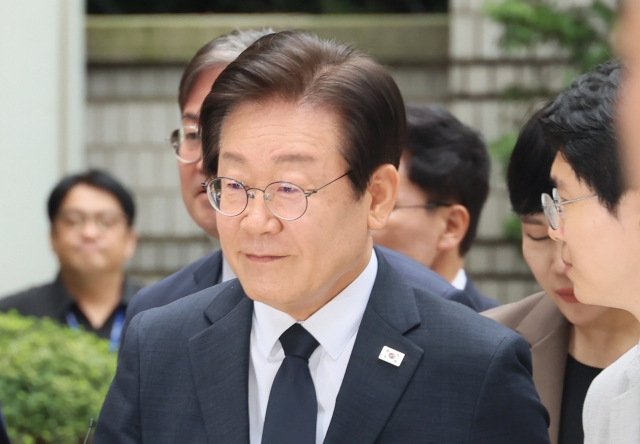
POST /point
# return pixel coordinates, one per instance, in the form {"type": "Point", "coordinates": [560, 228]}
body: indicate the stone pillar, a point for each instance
{"type": "Point", "coordinates": [41, 109]}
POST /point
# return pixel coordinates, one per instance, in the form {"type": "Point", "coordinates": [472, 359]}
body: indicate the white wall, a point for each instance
{"type": "Point", "coordinates": [41, 129]}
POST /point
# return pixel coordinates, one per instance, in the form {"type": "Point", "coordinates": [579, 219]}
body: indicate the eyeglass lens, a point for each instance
{"type": "Point", "coordinates": [185, 142]}
{"type": "Point", "coordinates": [285, 200]}
{"type": "Point", "coordinates": [550, 211]}
{"type": "Point", "coordinates": [103, 221]}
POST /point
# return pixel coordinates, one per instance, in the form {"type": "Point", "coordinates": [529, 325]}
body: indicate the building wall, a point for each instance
{"type": "Point", "coordinates": [42, 91]}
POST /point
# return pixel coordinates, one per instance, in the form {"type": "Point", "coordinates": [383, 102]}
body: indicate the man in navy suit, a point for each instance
{"type": "Point", "coordinates": [444, 183]}
{"type": "Point", "coordinates": [319, 339]}
{"type": "Point", "coordinates": [212, 269]}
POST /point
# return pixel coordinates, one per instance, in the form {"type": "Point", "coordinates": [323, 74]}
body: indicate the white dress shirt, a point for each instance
{"type": "Point", "coordinates": [460, 281]}
{"type": "Point", "coordinates": [227, 272]}
{"type": "Point", "coordinates": [335, 327]}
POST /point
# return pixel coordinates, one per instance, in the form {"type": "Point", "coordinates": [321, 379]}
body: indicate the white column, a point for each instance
{"type": "Point", "coordinates": [42, 71]}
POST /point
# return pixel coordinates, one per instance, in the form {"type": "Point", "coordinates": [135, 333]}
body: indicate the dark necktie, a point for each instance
{"type": "Point", "coordinates": [292, 411]}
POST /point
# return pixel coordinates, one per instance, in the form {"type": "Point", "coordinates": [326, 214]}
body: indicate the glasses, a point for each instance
{"type": "Point", "coordinates": [286, 200]}
{"type": "Point", "coordinates": [186, 144]}
{"type": "Point", "coordinates": [76, 220]}
{"type": "Point", "coordinates": [429, 206]}
{"type": "Point", "coordinates": [553, 207]}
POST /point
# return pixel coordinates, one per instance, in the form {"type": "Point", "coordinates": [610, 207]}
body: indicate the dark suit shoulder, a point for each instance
{"type": "Point", "coordinates": [177, 285]}
{"type": "Point", "coordinates": [452, 323]}
{"type": "Point", "coordinates": [480, 301]}
{"type": "Point", "coordinates": [35, 301]}
{"type": "Point", "coordinates": [414, 273]}
{"type": "Point", "coordinates": [512, 315]}
{"type": "Point", "coordinates": [184, 317]}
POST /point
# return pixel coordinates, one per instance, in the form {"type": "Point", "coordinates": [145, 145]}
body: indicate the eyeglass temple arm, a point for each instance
{"type": "Point", "coordinates": [574, 200]}
{"type": "Point", "coordinates": [309, 193]}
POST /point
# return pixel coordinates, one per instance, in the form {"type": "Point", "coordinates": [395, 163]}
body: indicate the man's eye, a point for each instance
{"type": "Point", "coordinates": [191, 136]}
{"type": "Point", "coordinates": [234, 186]}
{"type": "Point", "coordinates": [287, 189]}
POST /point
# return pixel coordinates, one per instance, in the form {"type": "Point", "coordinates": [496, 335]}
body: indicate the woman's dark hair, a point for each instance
{"type": "Point", "coordinates": [529, 171]}
{"type": "Point", "coordinates": [580, 123]}
{"type": "Point", "coordinates": [303, 69]}
{"type": "Point", "coordinates": [97, 179]}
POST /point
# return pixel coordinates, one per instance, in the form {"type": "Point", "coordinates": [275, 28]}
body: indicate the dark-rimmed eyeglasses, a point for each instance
{"type": "Point", "coordinates": [553, 208]}
{"type": "Point", "coordinates": [286, 201]}
{"type": "Point", "coordinates": [104, 221]}
{"type": "Point", "coordinates": [186, 143]}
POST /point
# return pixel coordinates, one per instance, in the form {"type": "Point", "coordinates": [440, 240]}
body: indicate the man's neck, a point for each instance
{"type": "Point", "coordinates": [96, 295]}
{"type": "Point", "coordinates": [603, 341]}
{"type": "Point", "coordinates": [447, 264]}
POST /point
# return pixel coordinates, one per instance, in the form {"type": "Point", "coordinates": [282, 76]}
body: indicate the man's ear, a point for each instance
{"type": "Point", "coordinates": [383, 189]}
{"type": "Point", "coordinates": [456, 219]}
{"type": "Point", "coordinates": [132, 243]}
{"type": "Point", "coordinates": [53, 239]}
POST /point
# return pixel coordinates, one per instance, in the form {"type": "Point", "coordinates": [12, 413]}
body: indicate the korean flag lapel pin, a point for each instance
{"type": "Point", "coordinates": [391, 356]}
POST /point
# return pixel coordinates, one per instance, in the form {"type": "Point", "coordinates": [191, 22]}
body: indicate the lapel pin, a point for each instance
{"type": "Point", "coordinates": [391, 356]}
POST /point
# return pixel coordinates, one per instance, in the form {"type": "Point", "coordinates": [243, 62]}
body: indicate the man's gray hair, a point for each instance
{"type": "Point", "coordinates": [219, 52]}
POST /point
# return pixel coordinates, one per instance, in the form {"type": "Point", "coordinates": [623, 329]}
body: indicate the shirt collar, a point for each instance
{"type": "Point", "coordinates": [332, 326]}
{"type": "Point", "coordinates": [64, 300]}
{"type": "Point", "coordinates": [227, 272]}
{"type": "Point", "coordinates": [460, 281]}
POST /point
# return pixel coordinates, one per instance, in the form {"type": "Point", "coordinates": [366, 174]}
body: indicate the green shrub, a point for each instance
{"type": "Point", "coordinates": [52, 379]}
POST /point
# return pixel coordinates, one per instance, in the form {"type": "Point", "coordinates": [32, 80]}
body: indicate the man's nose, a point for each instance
{"type": "Point", "coordinates": [90, 228]}
{"type": "Point", "coordinates": [258, 219]}
{"type": "Point", "coordinates": [558, 263]}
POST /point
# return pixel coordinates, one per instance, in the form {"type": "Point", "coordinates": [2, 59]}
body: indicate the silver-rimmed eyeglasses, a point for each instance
{"type": "Point", "coordinates": [186, 144]}
{"type": "Point", "coordinates": [285, 200]}
{"type": "Point", "coordinates": [554, 208]}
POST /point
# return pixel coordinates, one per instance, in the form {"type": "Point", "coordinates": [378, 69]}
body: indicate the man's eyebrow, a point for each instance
{"type": "Point", "coordinates": [556, 182]}
{"type": "Point", "coordinates": [190, 116]}
{"type": "Point", "coordinates": [531, 220]}
{"type": "Point", "coordinates": [280, 159]}
{"type": "Point", "coordinates": [294, 158]}
{"type": "Point", "coordinates": [233, 157]}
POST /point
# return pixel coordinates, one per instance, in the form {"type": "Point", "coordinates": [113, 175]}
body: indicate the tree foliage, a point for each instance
{"type": "Point", "coordinates": [582, 32]}
{"type": "Point", "coordinates": [52, 379]}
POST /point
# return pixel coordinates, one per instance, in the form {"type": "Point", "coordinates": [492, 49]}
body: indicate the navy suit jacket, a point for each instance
{"type": "Point", "coordinates": [476, 300]}
{"type": "Point", "coordinates": [184, 369]}
{"type": "Point", "coordinates": [207, 272]}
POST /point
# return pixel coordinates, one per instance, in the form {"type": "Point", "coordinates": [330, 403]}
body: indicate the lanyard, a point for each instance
{"type": "Point", "coordinates": [116, 329]}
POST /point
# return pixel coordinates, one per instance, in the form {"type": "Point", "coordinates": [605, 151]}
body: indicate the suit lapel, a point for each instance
{"type": "Point", "coordinates": [371, 388]}
{"type": "Point", "coordinates": [548, 332]}
{"type": "Point", "coordinates": [220, 364]}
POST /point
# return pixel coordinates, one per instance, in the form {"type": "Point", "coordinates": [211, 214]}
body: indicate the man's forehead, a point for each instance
{"type": "Point", "coordinates": [85, 197]}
